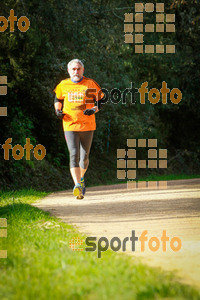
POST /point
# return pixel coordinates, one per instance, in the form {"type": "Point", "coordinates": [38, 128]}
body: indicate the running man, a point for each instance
{"type": "Point", "coordinates": [77, 100]}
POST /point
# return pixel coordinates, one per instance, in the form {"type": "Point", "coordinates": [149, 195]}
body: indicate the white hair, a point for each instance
{"type": "Point", "coordinates": [78, 61]}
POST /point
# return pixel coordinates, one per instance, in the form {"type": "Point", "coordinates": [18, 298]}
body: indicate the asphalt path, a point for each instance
{"type": "Point", "coordinates": [115, 211]}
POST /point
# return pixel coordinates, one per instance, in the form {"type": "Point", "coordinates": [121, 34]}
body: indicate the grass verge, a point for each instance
{"type": "Point", "coordinates": [40, 264]}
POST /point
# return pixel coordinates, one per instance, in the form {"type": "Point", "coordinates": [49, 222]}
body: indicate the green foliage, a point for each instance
{"type": "Point", "coordinates": [36, 61]}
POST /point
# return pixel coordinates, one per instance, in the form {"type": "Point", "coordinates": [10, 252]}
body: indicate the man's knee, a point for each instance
{"type": "Point", "coordinates": [84, 162]}
{"type": "Point", "coordinates": [74, 159]}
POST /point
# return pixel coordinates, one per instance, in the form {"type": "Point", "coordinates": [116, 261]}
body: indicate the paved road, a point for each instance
{"type": "Point", "coordinates": [115, 211]}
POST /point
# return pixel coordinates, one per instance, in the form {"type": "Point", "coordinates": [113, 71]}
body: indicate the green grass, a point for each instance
{"type": "Point", "coordinates": [168, 177]}
{"type": "Point", "coordinates": [40, 264]}
{"type": "Point", "coordinates": [151, 178]}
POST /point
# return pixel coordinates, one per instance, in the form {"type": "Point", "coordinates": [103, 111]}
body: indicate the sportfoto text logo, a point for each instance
{"type": "Point", "coordinates": [154, 95]}
{"type": "Point", "coordinates": [23, 22]}
{"type": "Point", "coordinates": [18, 151]}
{"type": "Point", "coordinates": [116, 244]}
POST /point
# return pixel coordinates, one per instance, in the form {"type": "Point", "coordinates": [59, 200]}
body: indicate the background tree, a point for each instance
{"type": "Point", "coordinates": [92, 31]}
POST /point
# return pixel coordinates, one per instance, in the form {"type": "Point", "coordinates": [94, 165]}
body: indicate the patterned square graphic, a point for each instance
{"type": "Point", "coordinates": [3, 79]}
{"type": "Point", "coordinates": [128, 27]}
{"type": "Point", "coordinates": [149, 48]}
{"type": "Point", "coordinates": [159, 7]}
{"type": "Point", "coordinates": [139, 18]}
{"type": "Point", "coordinates": [138, 48]}
{"type": "Point", "coordinates": [139, 38]}
{"type": "Point", "coordinates": [3, 222]}
{"type": "Point", "coordinates": [170, 28]}
{"type": "Point", "coordinates": [127, 162]}
{"type": "Point", "coordinates": [131, 174]}
{"type": "Point", "coordinates": [131, 153]}
{"type": "Point", "coordinates": [162, 153]}
{"type": "Point", "coordinates": [3, 112]}
{"type": "Point", "coordinates": [131, 185]}
{"type": "Point", "coordinates": [141, 142]}
{"type": "Point", "coordinates": [142, 164]}
{"type": "Point", "coordinates": [3, 231]}
{"type": "Point", "coordinates": [129, 38]}
{"type": "Point", "coordinates": [170, 18]}
{"type": "Point", "coordinates": [149, 7]}
{"type": "Point", "coordinates": [152, 143]}
{"type": "Point", "coordinates": [142, 184]}
{"type": "Point", "coordinates": [151, 185]}
{"type": "Point", "coordinates": [121, 153]}
{"type": "Point", "coordinates": [160, 18]}
{"type": "Point", "coordinates": [138, 27]}
{"type": "Point", "coordinates": [131, 143]}
{"type": "Point", "coordinates": [121, 163]}
{"type": "Point", "coordinates": [128, 17]}
{"type": "Point", "coordinates": [158, 27]}
{"type": "Point", "coordinates": [131, 164]}
{"type": "Point", "coordinates": [3, 253]}
{"type": "Point", "coordinates": [74, 244]}
{"type": "Point", "coordinates": [121, 174]}
{"type": "Point", "coordinates": [170, 48]}
{"type": "Point", "coordinates": [152, 153]}
{"type": "Point", "coordinates": [3, 234]}
{"type": "Point", "coordinates": [152, 164]}
{"type": "Point", "coordinates": [160, 49]}
{"type": "Point", "coordinates": [162, 164]}
{"type": "Point", "coordinates": [3, 92]}
{"type": "Point", "coordinates": [3, 85]}
{"type": "Point", "coordinates": [139, 7]}
{"type": "Point", "coordinates": [149, 28]}
{"type": "Point", "coordinates": [162, 185]}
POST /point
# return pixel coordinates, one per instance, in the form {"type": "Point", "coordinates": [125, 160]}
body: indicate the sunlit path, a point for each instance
{"type": "Point", "coordinates": [114, 211]}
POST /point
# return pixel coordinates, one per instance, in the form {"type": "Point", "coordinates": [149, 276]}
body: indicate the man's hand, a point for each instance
{"type": "Point", "coordinates": [89, 112]}
{"type": "Point", "coordinates": [59, 113]}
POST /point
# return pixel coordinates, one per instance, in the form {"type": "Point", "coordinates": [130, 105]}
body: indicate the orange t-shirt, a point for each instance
{"type": "Point", "coordinates": [76, 101]}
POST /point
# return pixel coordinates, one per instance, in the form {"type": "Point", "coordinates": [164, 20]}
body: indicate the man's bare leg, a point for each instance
{"type": "Point", "coordinates": [82, 172]}
{"type": "Point", "coordinates": [76, 175]}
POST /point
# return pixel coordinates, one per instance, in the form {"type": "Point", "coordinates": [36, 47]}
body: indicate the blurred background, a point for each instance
{"type": "Point", "coordinates": [93, 31]}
